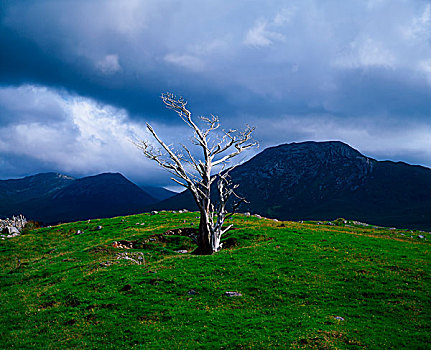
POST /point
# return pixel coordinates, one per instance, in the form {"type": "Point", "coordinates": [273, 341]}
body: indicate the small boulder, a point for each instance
{"type": "Point", "coordinates": [12, 230]}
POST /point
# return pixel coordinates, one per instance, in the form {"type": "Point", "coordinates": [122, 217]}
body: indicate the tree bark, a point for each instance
{"type": "Point", "coordinates": [204, 238]}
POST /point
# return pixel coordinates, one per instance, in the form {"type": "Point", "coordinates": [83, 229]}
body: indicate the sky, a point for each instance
{"type": "Point", "coordinates": [80, 79]}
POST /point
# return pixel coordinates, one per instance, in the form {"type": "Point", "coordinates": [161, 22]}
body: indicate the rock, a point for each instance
{"type": "Point", "coordinates": [182, 251]}
{"type": "Point", "coordinates": [154, 212]}
{"type": "Point", "coordinates": [98, 228]}
{"type": "Point", "coordinates": [123, 244]}
{"type": "Point", "coordinates": [247, 214]}
{"type": "Point", "coordinates": [135, 257]}
{"type": "Point", "coordinates": [421, 236]}
{"type": "Point", "coordinates": [232, 294]}
{"type": "Point", "coordinates": [79, 232]}
{"type": "Point", "coordinates": [12, 230]}
{"type": "Point", "coordinates": [257, 216]}
{"type": "Point", "coordinates": [192, 292]}
{"type": "Point", "coordinates": [339, 318]}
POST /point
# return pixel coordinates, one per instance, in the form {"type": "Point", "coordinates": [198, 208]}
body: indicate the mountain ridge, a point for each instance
{"type": "Point", "coordinates": [327, 180]}
{"type": "Point", "coordinates": [295, 181]}
{"type": "Point", "coordinates": [54, 197]}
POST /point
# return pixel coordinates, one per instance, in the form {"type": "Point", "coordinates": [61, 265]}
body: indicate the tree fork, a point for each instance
{"type": "Point", "coordinates": [199, 179]}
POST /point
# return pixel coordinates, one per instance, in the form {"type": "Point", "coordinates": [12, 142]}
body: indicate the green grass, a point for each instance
{"type": "Point", "coordinates": [303, 286]}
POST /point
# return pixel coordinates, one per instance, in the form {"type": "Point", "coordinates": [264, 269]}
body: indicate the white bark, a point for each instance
{"type": "Point", "coordinates": [199, 182]}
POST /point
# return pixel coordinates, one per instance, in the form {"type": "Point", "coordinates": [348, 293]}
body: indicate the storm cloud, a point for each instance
{"type": "Point", "coordinates": [79, 78]}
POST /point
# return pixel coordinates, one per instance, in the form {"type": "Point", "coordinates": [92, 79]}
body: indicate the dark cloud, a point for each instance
{"type": "Point", "coordinates": [358, 71]}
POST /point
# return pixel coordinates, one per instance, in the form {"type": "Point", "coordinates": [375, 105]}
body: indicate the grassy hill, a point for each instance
{"type": "Point", "coordinates": [302, 285]}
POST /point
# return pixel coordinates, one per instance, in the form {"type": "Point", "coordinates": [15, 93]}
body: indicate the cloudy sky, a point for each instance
{"type": "Point", "coordinates": [79, 79]}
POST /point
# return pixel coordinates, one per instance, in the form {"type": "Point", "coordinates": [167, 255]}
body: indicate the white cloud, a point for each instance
{"type": "Point", "coordinates": [260, 36]}
{"type": "Point", "coordinates": [86, 137]}
{"type": "Point", "coordinates": [366, 53]}
{"type": "Point", "coordinates": [189, 62]}
{"type": "Point", "coordinates": [420, 26]}
{"type": "Point", "coordinates": [284, 16]}
{"type": "Point", "coordinates": [109, 65]}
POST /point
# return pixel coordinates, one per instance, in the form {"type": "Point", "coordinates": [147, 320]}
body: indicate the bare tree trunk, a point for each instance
{"type": "Point", "coordinates": [204, 235]}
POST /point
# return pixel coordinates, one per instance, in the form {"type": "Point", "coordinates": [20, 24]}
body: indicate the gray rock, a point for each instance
{"type": "Point", "coordinates": [79, 232]}
{"type": "Point", "coordinates": [182, 251]}
{"type": "Point", "coordinates": [421, 236]}
{"type": "Point", "coordinates": [339, 318]}
{"type": "Point", "coordinates": [154, 212]}
{"type": "Point", "coordinates": [232, 294]}
{"type": "Point", "coordinates": [12, 230]}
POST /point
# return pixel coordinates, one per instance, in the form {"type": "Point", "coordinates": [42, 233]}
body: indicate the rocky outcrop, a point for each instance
{"type": "Point", "coordinates": [12, 227]}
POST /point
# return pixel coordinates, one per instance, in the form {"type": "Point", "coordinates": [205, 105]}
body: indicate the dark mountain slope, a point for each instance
{"type": "Point", "coordinates": [50, 199]}
{"type": "Point", "coordinates": [15, 193]}
{"type": "Point", "coordinates": [158, 193]}
{"type": "Point", "coordinates": [103, 195]}
{"type": "Point", "coordinates": [327, 180]}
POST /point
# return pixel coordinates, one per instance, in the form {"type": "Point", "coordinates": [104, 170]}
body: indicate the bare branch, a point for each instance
{"type": "Point", "coordinates": [199, 180]}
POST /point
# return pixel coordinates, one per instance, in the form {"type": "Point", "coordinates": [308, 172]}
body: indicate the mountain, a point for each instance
{"type": "Point", "coordinates": [16, 193]}
{"type": "Point", "coordinates": [328, 180]}
{"type": "Point", "coordinates": [51, 197]}
{"type": "Point", "coordinates": [158, 193]}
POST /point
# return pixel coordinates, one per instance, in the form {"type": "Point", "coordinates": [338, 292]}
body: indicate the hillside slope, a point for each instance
{"type": "Point", "coordinates": [297, 286]}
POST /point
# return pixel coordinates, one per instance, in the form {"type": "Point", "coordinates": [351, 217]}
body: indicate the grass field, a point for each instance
{"type": "Point", "coordinates": [302, 285]}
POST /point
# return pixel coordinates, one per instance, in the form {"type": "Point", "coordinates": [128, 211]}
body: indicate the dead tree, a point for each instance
{"type": "Point", "coordinates": [196, 174]}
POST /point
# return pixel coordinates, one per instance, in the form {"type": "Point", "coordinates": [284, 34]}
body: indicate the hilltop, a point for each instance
{"type": "Point", "coordinates": [328, 285]}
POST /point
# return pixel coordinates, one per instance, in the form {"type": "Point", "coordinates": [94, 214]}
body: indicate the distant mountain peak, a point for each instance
{"type": "Point", "coordinates": [327, 180]}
